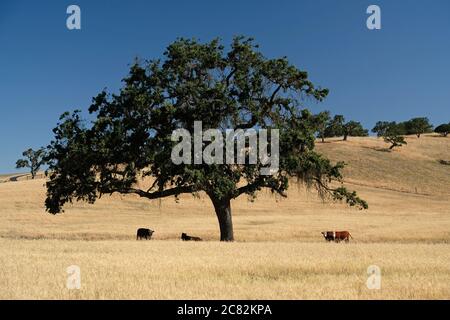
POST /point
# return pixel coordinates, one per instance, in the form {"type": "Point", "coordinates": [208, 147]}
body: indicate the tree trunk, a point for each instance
{"type": "Point", "coordinates": [223, 212]}
{"type": "Point", "coordinates": [345, 137]}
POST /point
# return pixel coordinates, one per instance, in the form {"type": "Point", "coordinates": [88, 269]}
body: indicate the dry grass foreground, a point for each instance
{"type": "Point", "coordinates": [279, 253]}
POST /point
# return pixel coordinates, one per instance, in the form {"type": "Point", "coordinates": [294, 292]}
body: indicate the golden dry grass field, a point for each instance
{"type": "Point", "coordinates": [279, 252]}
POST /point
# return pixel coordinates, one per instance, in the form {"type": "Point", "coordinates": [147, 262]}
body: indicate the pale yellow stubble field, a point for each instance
{"type": "Point", "coordinates": [114, 269]}
{"type": "Point", "coordinates": [279, 252]}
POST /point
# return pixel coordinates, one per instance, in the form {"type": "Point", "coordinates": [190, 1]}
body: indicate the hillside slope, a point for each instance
{"type": "Point", "coordinates": [413, 168]}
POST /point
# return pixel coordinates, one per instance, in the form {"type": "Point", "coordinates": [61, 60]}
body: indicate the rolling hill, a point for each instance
{"type": "Point", "coordinates": [414, 168]}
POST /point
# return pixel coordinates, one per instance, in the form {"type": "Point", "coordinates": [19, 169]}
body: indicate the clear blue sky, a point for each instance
{"type": "Point", "coordinates": [395, 73]}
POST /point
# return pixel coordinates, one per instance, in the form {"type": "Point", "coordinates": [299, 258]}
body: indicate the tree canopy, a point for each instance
{"type": "Point", "coordinates": [130, 136]}
{"type": "Point", "coordinates": [339, 127]}
{"type": "Point", "coordinates": [418, 126]}
{"type": "Point", "coordinates": [443, 129]}
{"type": "Point", "coordinates": [321, 121]}
{"type": "Point", "coordinates": [391, 133]}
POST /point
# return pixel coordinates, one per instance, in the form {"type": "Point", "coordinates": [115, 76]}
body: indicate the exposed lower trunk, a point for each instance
{"type": "Point", "coordinates": [223, 212]}
{"type": "Point", "coordinates": [345, 137]}
{"type": "Point", "coordinates": [302, 148]}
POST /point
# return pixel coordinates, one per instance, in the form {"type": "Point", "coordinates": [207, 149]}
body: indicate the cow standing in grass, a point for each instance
{"type": "Point", "coordinates": [342, 235]}
{"type": "Point", "coordinates": [143, 233]}
{"type": "Point", "coordinates": [337, 236]}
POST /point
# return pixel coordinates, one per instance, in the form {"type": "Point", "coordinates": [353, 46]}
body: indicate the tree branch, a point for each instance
{"type": "Point", "coordinates": [227, 80]}
{"type": "Point", "coordinates": [272, 97]}
{"type": "Point", "coordinates": [158, 194]}
{"type": "Point", "coordinates": [266, 108]}
{"type": "Point", "coordinates": [254, 187]}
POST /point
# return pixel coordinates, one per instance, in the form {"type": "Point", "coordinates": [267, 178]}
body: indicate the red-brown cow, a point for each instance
{"type": "Point", "coordinates": [342, 235]}
{"type": "Point", "coordinates": [337, 236]}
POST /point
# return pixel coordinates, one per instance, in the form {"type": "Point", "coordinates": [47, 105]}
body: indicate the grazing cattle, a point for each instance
{"type": "Point", "coordinates": [342, 235]}
{"type": "Point", "coordinates": [185, 237]}
{"type": "Point", "coordinates": [337, 236]}
{"type": "Point", "coordinates": [143, 233]}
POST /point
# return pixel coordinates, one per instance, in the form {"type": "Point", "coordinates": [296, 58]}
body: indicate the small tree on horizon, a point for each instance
{"type": "Point", "coordinates": [443, 129]}
{"type": "Point", "coordinates": [338, 127]}
{"type": "Point", "coordinates": [130, 135]}
{"type": "Point", "coordinates": [334, 127]}
{"type": "Point", "coordinates": [33, 160]}
{"type": "Point", "coordinates": [354, 129]}
{"type": "Point", "coordinates": [390, 132]}
{"type": "Point", "coordinates": [418, 126]}
{"type": "Point", "coordinates": [321, 121]}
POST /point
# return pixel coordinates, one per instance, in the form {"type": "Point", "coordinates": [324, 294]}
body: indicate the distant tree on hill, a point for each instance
{"type": "Point", "coordinates": [401, 128]}
{"type": "Point", "coordinates": [354, 129]}
{"type": "Point", "coordinates": [390, 132]}
{"type": "Point", "coordinates": [418, 126]}
{"type": "Point", "coordinates": [334, 127]}
{"type": "Point", "coordinates": [321, 120]}
{"type": "Point", "coordinates": [443, 129]}
{"type": "Point", "coordinates": [338, 127]}
{"type": "Point", "coordinates": [130, 136]}
{"type": "Point", "coordinates": [33, 160]}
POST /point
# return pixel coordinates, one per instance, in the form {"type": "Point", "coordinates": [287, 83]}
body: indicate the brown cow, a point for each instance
{"type": "Point", "coordinates": [342, 235]}
{"type": "Point", "coordinates": [337, 236]}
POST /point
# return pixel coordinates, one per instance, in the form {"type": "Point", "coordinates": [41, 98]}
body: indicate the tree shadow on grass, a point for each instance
{"type": "Point", "coordinates": [378, 149]}
{"type": "Point", "coordinates": [330, 141]}
{"type": "Point", "coordinates": [16, 178]}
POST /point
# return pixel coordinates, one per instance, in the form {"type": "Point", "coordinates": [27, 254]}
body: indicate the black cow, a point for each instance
{"type": "Point", "coordinates": [143, 233]}
{"type": "Point", "coordinates": [185, 237]}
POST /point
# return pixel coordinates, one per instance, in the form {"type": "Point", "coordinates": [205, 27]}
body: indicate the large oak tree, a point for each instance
{"type": "Point", "coordinates": [130, 134]}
